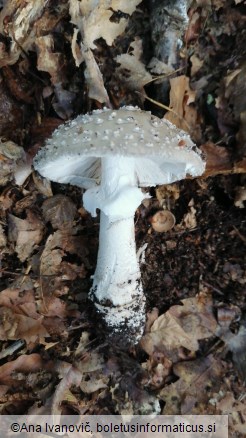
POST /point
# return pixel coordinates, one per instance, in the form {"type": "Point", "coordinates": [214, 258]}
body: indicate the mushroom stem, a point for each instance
{"type": "Point", "coordinates": [117, 277]}
{"type": "Point", "coordinates": [117, 289]}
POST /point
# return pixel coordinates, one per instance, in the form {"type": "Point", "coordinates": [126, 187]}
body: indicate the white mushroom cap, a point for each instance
{"type": "Point", "coordinates": [163, 153]}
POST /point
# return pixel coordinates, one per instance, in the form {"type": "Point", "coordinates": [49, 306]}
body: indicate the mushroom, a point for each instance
{"type": "Point", "coordinates": [111, 154]}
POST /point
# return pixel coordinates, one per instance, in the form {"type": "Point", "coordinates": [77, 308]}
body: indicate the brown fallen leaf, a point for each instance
{"type": "Point", "coordinates": [234, 342]}
{"type": "Point", "coordinates": [218, 160]}
{"type": "Point", "coordinates": [236, 410]}
{"type": "Point", "coordinates": [181, 326]}
{"type": "Point", "coordinates": [10, 155]}
{"type": "Point", "coordinates": [94, 22]}
{"type": "Point", "coordinates": [15, 326]}
{"type": "Point", "coordinates": [132, 71]}
{"type": "Point", "coordinates": [159, 367]}
{"type": "Point", "coordinates": [189, 390]}
{"type": "Point", "coordinates": [72, 377]}
{"type": "Point", "coordinates": [25, 316]}
{"type": "Point", "coordinates": [25, 233]}
{"type": "Point", "coordinates": [48, 60]}
{"type": "Point", "coordinates": [189, 219]}
{"type": "Point", "coordinates": [184, 114]}
{"type": "Point", "coordinates": [20, 28]}
{"type": "Point", "coordinates": [3, 238]}
{"type": "Point", "coordinates": [26, 363]}
{"type": "Point", "coordinates": [60, 211]}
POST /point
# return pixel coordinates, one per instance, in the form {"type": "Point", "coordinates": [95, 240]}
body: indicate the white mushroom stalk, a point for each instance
{"type": "Point", "coordinates": [112, 154]}
{"type": "Point", "coordinates": [117, 288]}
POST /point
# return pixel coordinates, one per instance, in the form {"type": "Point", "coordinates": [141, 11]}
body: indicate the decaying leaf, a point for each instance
{"type": "Point", "coordinates": [20, 27]}
{"type": "Point", "coordinates": [48, 60]}
{"type": "Point", "coordinates": [167, 194]}
{"type": "Point", "coordinates": [16, 326]}
{"type": "Point", "coordinates": [189, 219]}
{"type": "Point", "coordinates": [10, 156]}
{"type": "Point", "coordinates": [26, 363]}
{"type": "Point", "coordinates": [19, 316]}
{"type": "Point", "coordinates": [94, 77]}
{"type": "Point", "coordinates": [72, 376]}
{"type": "Point", "coordinates": [189, 390]}
{"type": "Point", "coordinates": [132, 70]}
{"type": "Point", "coordinates": [93, 19]}
{"type": "Point", "coordinates": [236, 410]}
{"type": "Point", "coordinates": [60, 211]}
{"type": "Point", "coordinates": [184, 114]}
{"type": "Point", "coordinates": [54, 270]}
{"type": "Point", "coordinates": [235, 343]}
{"type": "Point", "coordinates": [3, 239]}
{"type": "Point", "coordinates": [25, 233]}
{"type": "Point", "coordinates": [181, 326]}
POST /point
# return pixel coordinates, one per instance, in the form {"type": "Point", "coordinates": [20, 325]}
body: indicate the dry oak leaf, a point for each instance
{"type": "Point", "coordinates": [71, 377]}
{"type": "Point", "coordinates": [3, 239]}
{"type": "Point", "coordinates": [60, 211]}
{"type": "Point", "coordinates": [181, 326]}
{"type": "Point", "coordinates": [30, 363]}
{"type": "Point", "coordinates": [21, 27]}
{"type": "Point", "coordinates": [93, 76]}
{"type": "Point", "coordinates": [54, 271]}
{"type": "Point", "coordinates": [189, 390]}
{"type": "Point", "coordinates": [91, 366]}
{"type": "Point", "coordinates": [132, 71]}
{"type": "Point", "coordinates": [15, 326]}
{"type": "Point", "coordinates": [92, 17]}
{"type": "Point", "coordinates": [48, 60]}
{"type": "Point", "coordinates": [236, 410]}
{"type": "Point", "coordinates": [20, 301]}
{"type": "Point", "coordinates": [217, 159]}
{"type": "Point", "coordinates": [58, 245]}
{"type": "Point", "coordinates": [25, 233]}
{"type": "Point", "coordinates": [184, 114]}
{"type": "Point", "coordinates": [10, 155]}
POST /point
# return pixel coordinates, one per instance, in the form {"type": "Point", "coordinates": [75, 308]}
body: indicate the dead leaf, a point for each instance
{"type": "Point", "coordinates": [181, 326]}
{"type": "Point", "coordinates": [48, 60]}
{"type": "Point", "coordinates": [189, 219]}
{"type": "Point", "coordinates": [217, 159]}
{"type": "Point", "coordinates": [25, 233]}
{"type": "Point", "coordinates": [60, 211]}
{"type": "Point", "coordinates": [10, 155]}
{"type": "Point", "coordinates": [16, 326]}
{"type": "Point", "coordinates": [189, 390]}
{"type": "Point", "coordinates": [236, 343]}
{"type": "Point", "coordinates": [94, 21]}
{"type": "Point", "coordinates": [197, 64]}
{"type": "Point", "coordinates": [184, 114]}
{"type": "Point", "coordinates": [3, 239]}
{"type": "Point", "coordinates": [94, 77]}
{"type": "Point", "coordinates": [159, 367]}
{"type": "Point", "coordinates": [53, 278]}
{"type": "Point", "coordinates": [21, 26]}
{"type": "Point", "coordinates": [132, 71]}
{"type": "Point", "coordinates": [236, 410]}
{"type": "Point", "coordinates": [72, 377]}
{"type": "Point", "coordinates": [26, 363]}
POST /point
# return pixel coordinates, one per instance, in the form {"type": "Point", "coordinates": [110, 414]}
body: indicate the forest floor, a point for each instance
{"type": "Point", "coordinates": [54, 354]}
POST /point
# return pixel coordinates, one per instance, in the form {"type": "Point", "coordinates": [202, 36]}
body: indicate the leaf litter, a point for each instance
{"type": "Point", "coordinates": [57, 63]}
